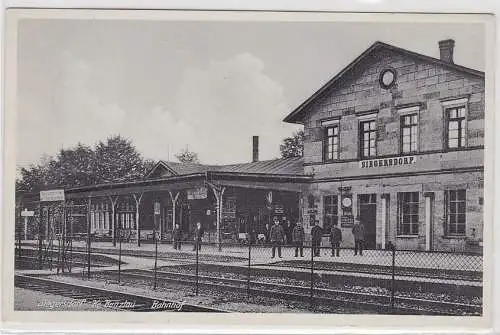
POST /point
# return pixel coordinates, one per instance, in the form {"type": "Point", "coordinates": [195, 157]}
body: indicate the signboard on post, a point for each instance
{"type": "Point", "coordinates": [52, 195]}
{"type": "Point", "coordinates": [347, 220]}
{"type": "Point", "coordinates": [197, 193]}
{"type": "Point", "coordinates": [157, 208]}
{"type": "Point", "coordinates": [27, 213]}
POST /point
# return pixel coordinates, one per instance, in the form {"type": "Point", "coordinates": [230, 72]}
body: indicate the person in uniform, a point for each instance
{"type": "Point", "coordinates": [316, 235]}
{"type": "Point", "coordinates": [298, 239]}
{"type": "Point", "coordinates": [335, 239]}
{"type": "Point", "coordinates": [358, 231]}
{"type": "Point", "coordinates": [277, 237]}
{"type": "Point", "coordinates": [198, 234]}
{"type": "Point", "coordinates": [177, 236]}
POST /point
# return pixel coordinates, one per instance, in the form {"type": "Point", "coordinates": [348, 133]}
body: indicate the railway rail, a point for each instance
{"type": "Point", "coordinates": [107, 298]}
{"type": "Point", "coordinates": [323, 296]}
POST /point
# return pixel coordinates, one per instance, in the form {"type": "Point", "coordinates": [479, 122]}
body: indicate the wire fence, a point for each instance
{"type": "Point", "coordinates": [382, 281]}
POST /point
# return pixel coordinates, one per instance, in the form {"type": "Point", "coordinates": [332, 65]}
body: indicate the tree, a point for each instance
{"type": "Point", "coordinates": [118, 160]}
{"type": "Point", "coordinates": [113, 160]}
{"type": "Point", "coordinates": [293, 146]}
{"type": "Point", "coordinates": [32, 178]}
{"type": "Point", "coordinates": [74, 166]}
{"type": "Point", "coordinates": [188, 157]}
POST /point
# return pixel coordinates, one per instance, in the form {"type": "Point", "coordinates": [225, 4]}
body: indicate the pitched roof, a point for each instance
{"type": "Point", "coordinates": [281, 166]}
{"type": "Point", "coordinates": [294, 116]}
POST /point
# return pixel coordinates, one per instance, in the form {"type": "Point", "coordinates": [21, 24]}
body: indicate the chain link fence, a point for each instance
{"type": "Point", "coordinates": [387, 281]}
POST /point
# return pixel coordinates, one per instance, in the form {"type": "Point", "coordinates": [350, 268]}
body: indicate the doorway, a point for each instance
{"type": "Point", "coordinates": [368, 217]}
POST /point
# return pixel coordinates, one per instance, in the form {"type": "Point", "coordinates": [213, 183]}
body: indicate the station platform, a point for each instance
{"type": "Point", "coordinates": [238, 254]}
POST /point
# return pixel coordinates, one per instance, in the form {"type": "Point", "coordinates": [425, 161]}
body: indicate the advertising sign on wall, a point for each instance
{"type": "Point", "coordinates": [197, 193]}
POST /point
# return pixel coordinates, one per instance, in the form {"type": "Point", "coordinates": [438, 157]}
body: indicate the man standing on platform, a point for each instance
{"type": "Point", "coordinates": [198, 234]}
{"type": "Point", "coordinates": [177, 236]}
{"type": "Point", "coordinates": [298, 239]}
{"type": "Point", "coordinates": [316, 235]}
{"type": "Point", "coordinates": [358, 230]}
{"type": "Point", "coordinates": [335, 239]}
{"type": "Point", "coordinates": [277, 237]}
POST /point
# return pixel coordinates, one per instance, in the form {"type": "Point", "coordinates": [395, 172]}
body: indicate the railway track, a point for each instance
{"type": "Point", "coordinates": [75, 263]}
{"type": "Point", "coordinates": [328, 297]}
{"type": "Point", "coordinates": [105, 297]}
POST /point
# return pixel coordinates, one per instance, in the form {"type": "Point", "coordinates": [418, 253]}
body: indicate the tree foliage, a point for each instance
{"type": "Point", "coordinates": [293, 146]}
{"type": "Point", "coordinates": [113, 160]}
{"type": "Point", "coordinates": [186, 156]}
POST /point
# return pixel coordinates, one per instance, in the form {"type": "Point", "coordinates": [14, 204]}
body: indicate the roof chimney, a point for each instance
{"type": "Point", "coordinates": [255, 149]}
{"type": "Point", "coordinates": [446, 50]}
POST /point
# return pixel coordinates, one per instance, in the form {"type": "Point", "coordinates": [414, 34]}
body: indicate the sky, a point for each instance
{"type": "Point", "coordinates": [205, 86]}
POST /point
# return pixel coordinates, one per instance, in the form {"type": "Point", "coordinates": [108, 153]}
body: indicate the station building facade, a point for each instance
{"type": "Point", "coordinates": [232, 202]}
{"type": "Point", "coordinates": [396, 141]}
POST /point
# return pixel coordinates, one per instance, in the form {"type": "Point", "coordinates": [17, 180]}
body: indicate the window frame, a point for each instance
{"type": "Point", "coordinates": [330, 124]}
{"type": "Point", "coordinates": [405, 112]}
{"type": "Point", "coordinates": [447, 106]}
{"type": "Point", "coordinates": [400, 214]}
{"type": "Point", "coordinates": [372, 117]}
{"type": "Point", "coordinates": [447, 204]}
{"type": "Point", "coordinates": [334, 205]}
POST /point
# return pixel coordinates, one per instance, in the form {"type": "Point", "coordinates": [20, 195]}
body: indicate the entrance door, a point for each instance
{"type": "Point", "coordinates": [368, 217]}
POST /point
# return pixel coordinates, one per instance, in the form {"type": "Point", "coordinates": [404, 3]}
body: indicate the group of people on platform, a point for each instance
{"type": "Point", "coordinates": [277, 238]}
{"type": "Point", "coordinates": [198, 234]}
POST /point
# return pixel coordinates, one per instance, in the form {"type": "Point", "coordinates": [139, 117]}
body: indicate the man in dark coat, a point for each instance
{"type": "Point", "coordinates": [267, 230]}
{"type": "Point", "coordinates": [177, 236]}
{"type": "Point", "coordinates": [198, 234]}
{"type": "Point", "coordinates": [316, 235]}
{"type": "Point", "coordinates": [298, 239]}
{"type": "Point", "coordinates": [335, 239]}
{"type": "Point", "coordinates": [358, 231]}
{"type": "Point", "coordinates": [277, 237]}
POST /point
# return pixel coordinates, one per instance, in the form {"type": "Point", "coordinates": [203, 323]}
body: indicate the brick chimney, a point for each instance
{"type": "Point", "coordinates": [255, 149]}
{"type": "Point", "coordinates": [446, 50]}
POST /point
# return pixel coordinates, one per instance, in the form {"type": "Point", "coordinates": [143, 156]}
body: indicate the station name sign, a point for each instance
{"type": "Point", "coordinates": [197, 193]}
{"type": "Point", "coordinates": [387, 162]}
{"type": "Point", "coordinates": [52, 195]}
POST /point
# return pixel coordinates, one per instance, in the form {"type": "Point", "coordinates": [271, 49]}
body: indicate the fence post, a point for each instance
{"type": "Point", "coordinates": [88, 239]}
{"type": "Point", "coordinates": [393, 280]}
{"type": "Point", "coordinates": [311, 293]}
{"type": "Point", "coordinates": [70, 240]}
{"type": "Point", "coordinates": [156, 259]}
{"type": "Point", "coordinates": [197, 247]}
{"type": "Point", "coordinates": [40, 229]}
{"type": "Point", "coordinates": [119, 255]}
{"type": "Point", "coordinates": [249, 267]}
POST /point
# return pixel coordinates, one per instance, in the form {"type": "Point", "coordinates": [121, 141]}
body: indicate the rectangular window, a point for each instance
{"type": "Point", "coordinates": [331, 143]}
{"type": "Point", "coordinates": [408, 213]}
{"type": "Point", "coordinates": [367, 138]}
{"type": "Point", "coordinates": [456, 127]}
{"type": "Point", "coordinates": [409, 133]}
{"type": "Point", "coordinates": [331, 212]}
{"type": "Point", "coordinates": [455, 212]}
{"type": "Point", "coordinates": [92, 219]}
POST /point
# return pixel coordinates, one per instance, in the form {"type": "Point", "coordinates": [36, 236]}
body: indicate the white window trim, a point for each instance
{"type": "Point", "coordinates": [455, 102]}
{"type": "Point", "coordinates": [367, 117]}
{"type": "Point", "coordinates": [448, 104]}
{"type": "Point", "coordinates": [326, 123]}
{"type": "Point", "coordinates": [407, 111]}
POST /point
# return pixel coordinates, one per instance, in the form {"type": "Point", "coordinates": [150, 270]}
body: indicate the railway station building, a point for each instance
{"type": "Point", "coordinates": [395, 140]}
